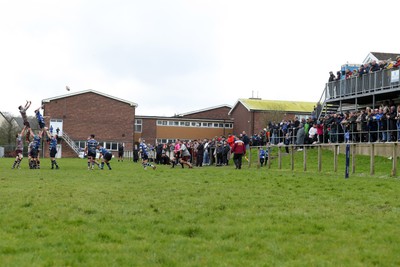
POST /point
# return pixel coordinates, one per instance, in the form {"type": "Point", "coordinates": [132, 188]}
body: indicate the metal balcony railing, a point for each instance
{"type": "Point", "coordinates": [367, 83]}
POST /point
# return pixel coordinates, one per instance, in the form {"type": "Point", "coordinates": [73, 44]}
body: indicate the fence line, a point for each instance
{"type": "Point", "coordinates": [371, 149]}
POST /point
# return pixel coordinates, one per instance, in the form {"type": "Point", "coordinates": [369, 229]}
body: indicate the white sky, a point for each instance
{"type": "Point", "coordinates": [178, 56]}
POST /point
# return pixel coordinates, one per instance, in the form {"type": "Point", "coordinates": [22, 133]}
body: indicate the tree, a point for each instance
{"type": "Point", "coordinates": [276, 115]}
{"type": "Point", "coordinates": [8, 129]}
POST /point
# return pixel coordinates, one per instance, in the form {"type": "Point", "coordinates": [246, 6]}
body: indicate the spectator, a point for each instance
{"type": "Point", "coordinates": [331, 77]}
{"type": "Point", "coordinates": [374, 66]}
{"type": "Point", "coordinates": [199, 154]}
{"type": "Point", "coordinates": [312, 134]}
{"type": "Point", "coordinates": [300, 137]}
{"type": "Point", "coordinates": [225, 156]}
{"type": "Point", "coordinates": [338, 75]}
{"type": "Point", "coordinates": [397, 64]}
{"type": "Point", "coordinates": [121, 152]}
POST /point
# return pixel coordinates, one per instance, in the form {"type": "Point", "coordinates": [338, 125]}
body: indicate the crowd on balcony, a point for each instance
{"type": "Point", "coordinates": [371, 67]}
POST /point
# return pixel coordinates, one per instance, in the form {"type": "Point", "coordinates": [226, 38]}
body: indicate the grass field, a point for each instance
{"type": "Point", "coordinates": [210, 216]}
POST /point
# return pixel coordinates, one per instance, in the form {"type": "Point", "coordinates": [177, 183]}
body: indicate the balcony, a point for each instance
{"type": "Point", "coordinates": [357, 92]}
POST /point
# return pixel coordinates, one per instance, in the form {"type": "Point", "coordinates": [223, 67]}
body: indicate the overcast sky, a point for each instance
{"type": "Point", "coordinates": [178, 56]}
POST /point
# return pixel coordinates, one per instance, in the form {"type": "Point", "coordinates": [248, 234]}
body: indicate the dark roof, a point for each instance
{"type": "Point", "coordinates": [385, 56]}
{"type": "Point", "coordinates": [203, 110]}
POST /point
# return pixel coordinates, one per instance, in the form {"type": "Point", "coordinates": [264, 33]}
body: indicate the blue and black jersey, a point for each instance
{"type": "Point", "coordinates": [40, 120]}
{"type": "Point", "coordinates": [92, 145]}
{"type": "Point", "coordinates": [263, 153]}
{"type": "Point", "coordinates": [107, 155]}
{"type": "Point", "coordinates": [143, 149]}
{"type": "Point", "coordinates": [36, 142]}
{"type": "Point", "coordinates": [103, 151]}
{"type": "Point", "coordinates": [53, 143]}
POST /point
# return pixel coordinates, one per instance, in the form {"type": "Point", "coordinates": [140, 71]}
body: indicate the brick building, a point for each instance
{"type": "Point", "coordinates": [77, 115]}
{"type": "Point", "coordinates": [253, 114]}
{"type": "Point", "coordinates": [200, 124]}
{"type": "Point", "coordinates": [114, 122]}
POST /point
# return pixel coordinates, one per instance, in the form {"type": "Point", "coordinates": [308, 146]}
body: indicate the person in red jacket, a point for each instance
{"type": "Point", "coordinates": [238, 150]}
{"type": "Point", "coordinates": [397, 64]}
{"type": "Point", "coordinates": [231, 140]}
{"type": "Point", "coordinates": [320, 132]}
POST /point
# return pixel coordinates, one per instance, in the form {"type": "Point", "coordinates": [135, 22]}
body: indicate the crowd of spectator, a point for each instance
{"type": "Point", "coordinates": [204, 152]}
{"type": "Point", "coordinates": [369, 125]}
{"type": "Point", "coordinates": [381, 124]}
{"type": "Point", "coordinates": [373, 66]}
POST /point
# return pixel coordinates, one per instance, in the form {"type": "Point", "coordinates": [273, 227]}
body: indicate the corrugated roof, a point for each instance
{"type": "Point", "coordinates": [259, 104]}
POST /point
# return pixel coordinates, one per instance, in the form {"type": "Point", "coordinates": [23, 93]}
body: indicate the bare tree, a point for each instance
{"type": "Point", "coordinates": [8, 130]}
{"type": "Point", "coordinates": [275, 115]}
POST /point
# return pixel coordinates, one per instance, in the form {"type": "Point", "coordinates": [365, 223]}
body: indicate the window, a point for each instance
{"type": "Point", "coordinates": [138, 125]}
{"type": "Point", "coordinates": [193, 124]}
{"type": "Point", "coordinates": [111, 146]}
{"type": "Point", "coordinates": [165, 141]}
{"type": "Point", "coordinates": [80, 144]}
{"type": "Point", "coordinates": [228, 125]}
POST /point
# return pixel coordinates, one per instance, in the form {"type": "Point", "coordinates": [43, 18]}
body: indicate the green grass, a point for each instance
{"type": "Point", "coordinates": [210, 216]}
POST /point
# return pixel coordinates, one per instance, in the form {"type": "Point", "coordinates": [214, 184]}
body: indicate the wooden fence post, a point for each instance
{"type": "Point", "coordinates": [335, 157]}
{"type": "Point", "coordinates": [292, 157]}
{"type": "Point", "coordinates": [319, 158]}
{"type": "Point", "coordinates": [372, 160]}
{"type": "Point", "coordinates": [279, 158]}
{"type": "Point", "coordinates": [248, 158]}
{"type": "Point", "coordinates": [269, 157]}
{"type": "Point", "coordinates": [394, 160]}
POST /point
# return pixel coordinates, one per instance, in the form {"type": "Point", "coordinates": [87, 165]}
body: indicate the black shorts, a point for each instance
{"type": "Point", "coordinates": [120, 154]}
{"type": "Point", "coordinates": [185, 158]}
{"type": "Point", "coordinates": [145, 157]}
{"type": "Point", "coordinates": [107, 156]}
{"type": "Point", "coordinates": [34, 153]}
{"type": "Point", "coordinates": [53, 152]}
{"type": "Point", "coordinates": [91, 154]}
